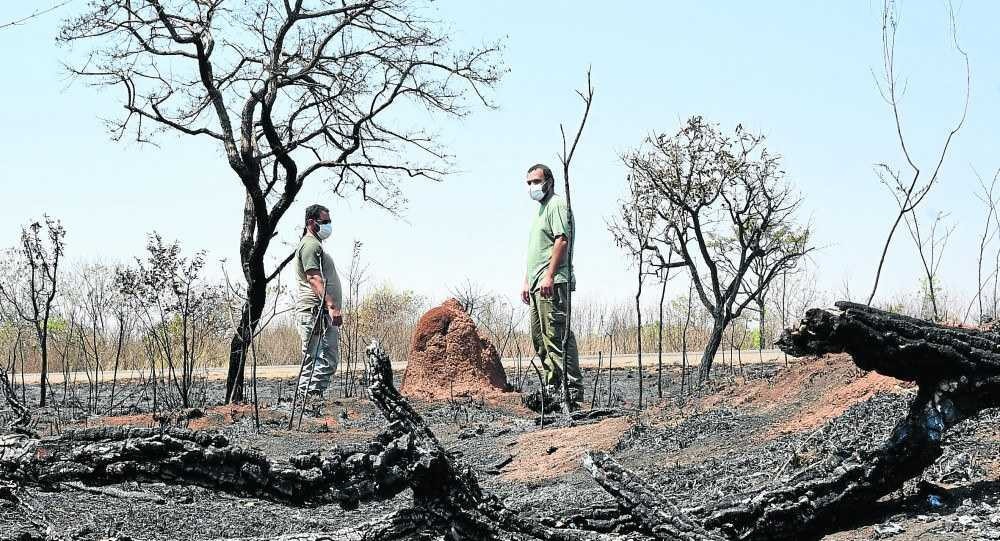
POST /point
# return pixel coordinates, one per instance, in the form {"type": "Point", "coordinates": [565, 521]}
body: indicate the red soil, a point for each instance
{"type": "Point", "coordinates": [551, 453]}
{"type": "Point", "coordinates": [449, 357]}
{"type": "Point", "coordinates": [809, 392]}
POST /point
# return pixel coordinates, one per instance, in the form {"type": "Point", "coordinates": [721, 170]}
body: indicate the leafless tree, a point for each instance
{"type": "Point", "coordinates": [684, 337]}
{"type": "Point", "coordinates": [988, 196]}
{"type": "Point", "coordinates": [178, 310]}
{"type": "Point", "coordinates": [632, 229]}
{"type": "Point", "coordinates": [289, 90]}
{"type": "Point", "coordinates": [32, 281]}
{"type": "Point", "coordinates": [727, 204]}
{"type": "Point", "coordinates": [352, 342]}
{"type": "Point", "coordinates": [566, 159]}
{"type": "Point", "coordinates": [909, 191]}
{"type": "Point", "coordinates": [930, 247]}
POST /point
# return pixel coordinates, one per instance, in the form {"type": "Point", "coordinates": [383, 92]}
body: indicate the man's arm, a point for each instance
{"type": "Point", "coordinates": [318, 285]}
{"type": "Point", "coordinates": [559, 248]}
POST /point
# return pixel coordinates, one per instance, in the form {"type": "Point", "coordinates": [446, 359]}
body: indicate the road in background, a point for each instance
{"type": "Point", "coordinates": [649, 361]}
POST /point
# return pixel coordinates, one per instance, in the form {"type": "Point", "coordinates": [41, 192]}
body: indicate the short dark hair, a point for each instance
{"type": "Point", "coordinates": [546, 172]}
{"type": "Point", "coordinates": [313, 212]}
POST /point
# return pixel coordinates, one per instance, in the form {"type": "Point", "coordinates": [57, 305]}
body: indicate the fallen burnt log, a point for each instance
{"type": "Point", "coordinates": [957, 372]}
{"type": "Point", "coordinates": [447, 500]}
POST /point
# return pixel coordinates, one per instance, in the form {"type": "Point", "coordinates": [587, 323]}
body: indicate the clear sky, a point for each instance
{"type": "Point", "coordinates": [798, 71]}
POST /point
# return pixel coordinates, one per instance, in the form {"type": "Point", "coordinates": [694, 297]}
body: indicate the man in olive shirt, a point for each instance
{"type": "Point", "coordinates": [318, 303]}
{"type": "Point", "coordinates": [548, 281]}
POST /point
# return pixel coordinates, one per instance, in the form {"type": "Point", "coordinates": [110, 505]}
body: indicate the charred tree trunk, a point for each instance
{"type": "Point", "coordinates": [253, 245]}
{"type": "Point", "coordinates": [711, 348]}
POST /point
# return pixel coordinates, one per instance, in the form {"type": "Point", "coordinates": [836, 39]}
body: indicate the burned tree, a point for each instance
{"type": "Point", "coordinates": [909, 189]}
{"type": "Point", "coordinates": [32, 282]}
{"type": "Point", "coordinates": [727, 207]}
{"type": "Point", "coordinates": [633, 230]}
{"type": "Point", "coordinates": [290, 91]}
{"type": "Point", "coordinates": [178, 312]}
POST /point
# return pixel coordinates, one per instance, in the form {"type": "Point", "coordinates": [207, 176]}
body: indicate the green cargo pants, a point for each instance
{"type": "Point", "coordinates": [548, 323]}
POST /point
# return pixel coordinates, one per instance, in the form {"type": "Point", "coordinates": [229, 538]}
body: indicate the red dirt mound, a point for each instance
{"type": "Point", "coordinates": [449, 357]}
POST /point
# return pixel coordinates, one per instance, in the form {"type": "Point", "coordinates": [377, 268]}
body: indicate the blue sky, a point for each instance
{"type": "Point", "coordinates": [798, 71]}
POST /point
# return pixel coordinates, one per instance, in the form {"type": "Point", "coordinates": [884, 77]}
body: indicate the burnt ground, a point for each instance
{"type": "Point", "coordinates": [739, 434]}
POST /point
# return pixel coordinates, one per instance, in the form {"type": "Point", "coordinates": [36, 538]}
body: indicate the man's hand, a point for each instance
{"type": "Point", "coordinates": [336, 317]}
{"type": "Point", "coordinates": [525, 293]}
{"type": "Point", "coordinates": [546, 286]}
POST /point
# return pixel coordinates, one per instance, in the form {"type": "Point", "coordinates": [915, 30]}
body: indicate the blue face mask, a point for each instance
{"type": "Point", "coordinates": [324, 232]}
{"type": "Point", "coordinates": [536, 192]}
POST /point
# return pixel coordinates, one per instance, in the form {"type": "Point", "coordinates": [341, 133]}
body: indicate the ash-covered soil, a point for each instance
{"type": "Point", "coordinates": [738, 435]}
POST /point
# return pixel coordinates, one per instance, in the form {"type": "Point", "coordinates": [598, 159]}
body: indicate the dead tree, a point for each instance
{"type": "Point", "coordinates": [909, 191]}
{"type": "Point", "coordinates": [565, 159]}
{"type": "Point", "coordinates": [930, 247]}
{"type": "Point", "coordinates": [727, 206]}
{"type": "Point", "coordinates": [32, 286]}
{"type": "Point", "coordinates": [290, 91]}
{"type": "Point", "coordinates": [989, 198]}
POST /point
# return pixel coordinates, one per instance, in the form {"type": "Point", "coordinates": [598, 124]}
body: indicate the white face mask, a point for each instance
{"type": "Point", "coordinates": [536, 192]}
{"type": "Point", "coordinates": [324, 231]}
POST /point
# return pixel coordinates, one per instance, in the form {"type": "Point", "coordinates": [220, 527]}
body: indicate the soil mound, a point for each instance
{"type": "Point", "coordinates": [449, 357]}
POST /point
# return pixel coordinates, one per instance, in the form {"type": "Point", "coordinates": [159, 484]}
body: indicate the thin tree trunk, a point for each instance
{"type": "Point", "coordinates": [597, 381]}
{"type": "Point", "coordinates": [659, 347]}
{"type": "Point", "coordinates": [611, 355]}
{"type": "Point", "coordinates": [711, 348]}
{"type": "Point", "coordinates": [240, 343]}
{"type": "Point", "coordinates": [638, 334]}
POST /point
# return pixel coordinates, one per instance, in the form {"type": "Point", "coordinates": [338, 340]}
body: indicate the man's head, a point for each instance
{"type": "Point", "coordinates": [317, 221]}
{"type": "Point", "coordinates": [540, 182]}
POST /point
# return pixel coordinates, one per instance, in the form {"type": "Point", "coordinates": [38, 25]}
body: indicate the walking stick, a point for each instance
{"type": "Point", "coordinates": [311, 348]}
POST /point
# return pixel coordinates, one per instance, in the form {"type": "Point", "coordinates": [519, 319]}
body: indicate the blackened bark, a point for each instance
{"type": "Point", "coordinates": [253, 307]}
{"type": "Point", "coordinates": [711, 348]}
{"type": "Point", "coordinates": [657, 515]}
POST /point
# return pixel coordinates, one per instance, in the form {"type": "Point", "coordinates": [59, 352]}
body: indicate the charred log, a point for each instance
{"type": "Point", "coordinates": [957, 371]}
{"type": "Point", "coordinates": [406, 454]}
{"type": "Point", "coordinates": [958, 375]}
{"type": "Point", "coordinates": [659, 516]}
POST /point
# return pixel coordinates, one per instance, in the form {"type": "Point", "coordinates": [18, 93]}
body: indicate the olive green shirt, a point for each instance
{"type": "Point", "coordinates": [551, 222]}
{"type": "Point", "coordinates": [310, 255]}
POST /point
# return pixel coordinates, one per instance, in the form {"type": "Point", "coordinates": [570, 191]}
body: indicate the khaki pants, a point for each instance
{"type": "Point", "coordinates": [322, 353]}
{"type": "Point", "coordinates": [548, 323]}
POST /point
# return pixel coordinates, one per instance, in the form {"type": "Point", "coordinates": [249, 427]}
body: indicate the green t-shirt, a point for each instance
{"type": "Point", "coordinates": [310, 255]}
{"type": "Point", "coordinates": [551, 222]}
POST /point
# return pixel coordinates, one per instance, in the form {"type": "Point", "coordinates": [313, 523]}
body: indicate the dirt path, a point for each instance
{"type": "Point", "coordinates": [290, 370]}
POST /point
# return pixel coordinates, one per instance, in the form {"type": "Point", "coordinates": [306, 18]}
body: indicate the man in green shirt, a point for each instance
{"type": "Point", "coordinates": [548, 282]}
{"type": "Point", "coordinates": [318, 303]}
